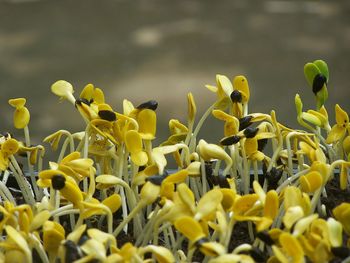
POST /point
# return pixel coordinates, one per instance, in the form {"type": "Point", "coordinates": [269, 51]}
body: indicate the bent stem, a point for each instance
{"type": "Point", "coordinates": [126, 220]}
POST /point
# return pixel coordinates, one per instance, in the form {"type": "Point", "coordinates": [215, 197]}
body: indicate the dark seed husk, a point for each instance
{"type": "Point", "coordinates": [318, 83]}
{"type": "Point", "coordinates": [151, 104]}
{"type": "Point", "coordinates": [245, 122]}
{"type": "Point", "coordinates": [58, 181]}
{"type": "Point", "coordinates": [107, 115]}
{"type": "Point", "coordinates": [230, 140]}
{"type": "Point", "coordinates": [236, 96]}
{"type": "Point", "coordinates": [250, 132]}
{"type": "Point", "coordinates": [79, 101]}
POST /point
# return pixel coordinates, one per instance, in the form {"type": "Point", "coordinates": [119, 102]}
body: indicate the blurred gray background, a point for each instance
{"type": "Point", "coordinates": [152, 49]}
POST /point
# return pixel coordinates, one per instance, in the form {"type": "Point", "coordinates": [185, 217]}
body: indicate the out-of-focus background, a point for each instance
{"type": "Point", "coordinates": [153, 49]}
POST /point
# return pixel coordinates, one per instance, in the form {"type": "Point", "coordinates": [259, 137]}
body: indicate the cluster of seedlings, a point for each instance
{"type": "Point", "coordinates": [110, 196]}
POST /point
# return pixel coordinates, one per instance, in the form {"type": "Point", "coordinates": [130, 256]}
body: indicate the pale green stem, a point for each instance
{"type": "Point", "coordinates": [188, 138]}
{"type": "Point", "coordinates": [119, 171]}
{"type": "Point", "coordinates": [194, 188]}
{"type": "Point", "coordinates": [22, 183]}
{"type": "Point", "coordinates": [201, 121]}
{"type": "Point", "coordinates": [290, 180]}
{"type": "Point", "coordinates": [230, 227]}
{"type": "Point", "coordinates": [256, 173]}
{"type": "Point", "coordinates": [63, 150]}
{"type": "Point", "coordinates": [148, 149]}
{"type": "Point", "coordinates": [172, 237]}
{"type": "Point", "coordinates": [204, 179]}
{"type": "Point", "coordinates": [166, 237]}
{"type": "Point", "coordinates": [38, 193]}
{"type": "Point", "coordinates": [39, 248]}
{"type": "Point", "coordinates": [5, 176]}
{"type": "Point", "coordinates": [217, 168]}
{"type": "Point", "coordinates": [232, 149]}
{"type": "Point", "coordinates": [6, 194]}
{"type": "Point", "coordinates": [245, 175]}
{"type": "Point", "coordinates": [61, 209]}
{"type": "Point", "coordinates": [276, 153]}
{"type": "Point", "coordinates": [69, 212]}
{"type": "Point", "coordinates": [190, 252]}
{"type": "Point", "coordinates": [316, 197]}
{"type": "Point", "coordinates": [126, 220]}
{"type": "Point", "coordinates": [144, 238]}
{"type": "Point", "coordinates": [251, 231]}
{"type": "Point", "coordinates": [179, 241]}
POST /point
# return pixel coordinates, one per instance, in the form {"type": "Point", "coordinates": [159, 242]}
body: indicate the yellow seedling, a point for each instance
{"type": "Point", "coordinates": [190, 228]}
{"type": "Point", "coordinates": [310, 182]}
{"type": "Point", "coordinates": [228, 198]}
{"type": "Point", "coordinates": [303, 224]}
{"type": "Point", "coordinates": [147, 120]}
{"type": "Point", "coordinates": [338, 130]}
{"type": "Point", "coordinates": [133, 142]}
{"type": "Point", "coordinates": [232, 258]}
{"type": "Point", "coordinates": [208, 204]}
{"type": "Point", "coordinates": [223, 90]}
{"type": "Point", "coordinates": [78, 168]}
{"type": "Point", "coordinates": [93, 250]}
{"type": "Point", "coordinates": [68, 189]}
{"type": "Point", "coordinates": [294, 197]}
{"type": "Point", "coordinates": [104, 238]}
{"type": "Point", "coordinates": [8, 148]}
{"type": "Point", "coordinates": [240, 83]}
{"type": "Point", "coordinates": [291, 249]}
{"type": "Point", "coordinates": [21, 115]}
{"type": "Point", "coordinates": [231, 126]}
{"type": "Point", "coordinates": [53, 234]}
{"type": "Point", "coordinates": [162, 254]}
{"type": "Point", "coordinates": [192, 109]}
{"type": "Point", "coordinates": [92, 94]}
{"type": "Point", "coordinates": [64, 90]}
{"type": "Point", "coordinates": [342, 214]}
{"type": "Point", "coordinates": [335, 230]}
{"type": "Point", "coordinates": [21, 244]}
{"type": "Point", "coordinates": [243, 204]}
{"type": "Point", "coordinates": [212, 151]}
{"type": "Point", "coordinates": [317, 76]}
{"type": "Point", "coordinates": [292, 215]}
{"type": "Point", "coordinates": [39, 219]}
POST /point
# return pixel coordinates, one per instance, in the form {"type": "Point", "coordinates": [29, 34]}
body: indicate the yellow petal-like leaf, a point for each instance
{"type": "Point", "coordinates": [190, 228]}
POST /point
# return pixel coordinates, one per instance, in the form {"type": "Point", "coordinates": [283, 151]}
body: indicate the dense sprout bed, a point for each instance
{"type": "Point", "coordinates": [110, 196]}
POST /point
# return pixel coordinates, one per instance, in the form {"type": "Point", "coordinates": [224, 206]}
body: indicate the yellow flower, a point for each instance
{"type": "Point", "coordinates": [339, 129]}
{"type": "Point", "coordinates": [21, 115]}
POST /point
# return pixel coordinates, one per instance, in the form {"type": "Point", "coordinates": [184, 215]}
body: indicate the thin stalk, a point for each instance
{"type": "Point", "coordinates": [126, 220]}
{"type": "Point", "coordinates": [204, 179]}
{"type": "Point", "coordinates": [37, 191]}
{"type": "Point", "coordinates": [6, 194]}
{"type": "Point", "coordinates": [202, 120]}
{"type": "Point", "coordinates": [39, 248]}
{"type": "Point", "coordinates": [22, 183]}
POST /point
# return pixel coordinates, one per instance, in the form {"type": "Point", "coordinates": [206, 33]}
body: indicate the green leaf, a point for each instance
{"type": "Point", "coordinates": [322, 66]}
{"type": "Point", "coordinates": [310, 71]}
